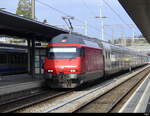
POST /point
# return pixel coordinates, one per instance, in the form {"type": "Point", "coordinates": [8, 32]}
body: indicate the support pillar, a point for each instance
{"type": "Point", "coordinates": [33, 58]}
{"type": "Point", "coordinates": [29, 55]}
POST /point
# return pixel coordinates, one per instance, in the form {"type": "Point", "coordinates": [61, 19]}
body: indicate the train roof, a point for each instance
{"type": "Point", "coordinates": [75, 38]}
{"type": "Point", "coordinates": [79, 39]}
{"type": "Point", "coordinates": [12, 50]}
{"type": "Point", "coordinates": [89, 41]}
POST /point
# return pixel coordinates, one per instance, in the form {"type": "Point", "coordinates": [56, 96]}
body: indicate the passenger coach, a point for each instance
{"type": "Point", "coordinates": [13, 61]}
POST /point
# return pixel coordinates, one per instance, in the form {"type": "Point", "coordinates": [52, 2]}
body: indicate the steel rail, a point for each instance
{"type": "Point", "coordinates": [115, 104]}
{"type": "Point", "coordinates": [125, 94]}
{"type": "Point", "coordinates": [62, 104]}
{"type": "Point", "coordinates": [29, 100]}
{"type": "Point", "coordinates": [76, 98]}
{"type": "Point", "coordinates": [52, 109]}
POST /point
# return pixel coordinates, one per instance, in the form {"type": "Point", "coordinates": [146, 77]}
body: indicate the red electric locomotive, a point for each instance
{"type": "Point", "coordinates": [72, 60]}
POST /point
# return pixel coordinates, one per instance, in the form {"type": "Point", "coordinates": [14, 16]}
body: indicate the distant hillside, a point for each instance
{"type": "Point", "coordinates": [129, 41]}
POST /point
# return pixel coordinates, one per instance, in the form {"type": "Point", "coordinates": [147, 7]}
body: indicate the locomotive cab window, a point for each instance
{"type": "Point", "coordinates": [64, 52]}
{"type": "Point", "coordinates": [82, 52]}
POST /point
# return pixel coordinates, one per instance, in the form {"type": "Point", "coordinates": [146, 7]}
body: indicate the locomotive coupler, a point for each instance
{"type": "Point", "coordinates": [61, 77]}
{"type": "Point", "coordinates": [48, 76]}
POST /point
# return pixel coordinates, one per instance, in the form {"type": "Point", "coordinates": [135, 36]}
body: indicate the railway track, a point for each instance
{"type": "Point", "coordinates": [110, 93]}
{"type": "Point", "coordinates": [113, 100]}
{"type": "Point", "coordinates": [22, 102]}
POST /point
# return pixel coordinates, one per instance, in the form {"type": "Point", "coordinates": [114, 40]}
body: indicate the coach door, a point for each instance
{"type": "Point", "coordinates": [40, 55]}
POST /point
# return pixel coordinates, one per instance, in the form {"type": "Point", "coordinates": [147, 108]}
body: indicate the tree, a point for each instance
{"type": "Point", "coordinates": [2, 8]}
{"type": "Point", "coordinates": [24, 8]}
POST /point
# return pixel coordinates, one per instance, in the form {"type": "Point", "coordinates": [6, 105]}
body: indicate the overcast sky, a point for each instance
{"type": "Point", "coordinates": [82, 10]}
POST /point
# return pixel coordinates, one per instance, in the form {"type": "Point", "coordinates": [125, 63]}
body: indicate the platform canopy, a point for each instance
{"type": "Point", "coordinates": [139, 11]}
{"type": "Point", "coordinates": [17, 26]}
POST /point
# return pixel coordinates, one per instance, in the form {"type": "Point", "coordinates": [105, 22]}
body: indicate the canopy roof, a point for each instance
{"type": "Point", "coordinates": [17, 26]}
{"type": "Point", "coordinates": [139, 11]}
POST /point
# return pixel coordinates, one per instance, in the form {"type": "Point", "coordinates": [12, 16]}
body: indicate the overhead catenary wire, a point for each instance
{"type": "Point", "coordinates": [130, 26]}
{"type": "Point", "coordinates": [112, 9]}
{"type": "Point", "coordinates": [63, 13]}
{"type": "Point", "coordinates": [87, 7]}
{"type": "Point", "coordinates": [57, 10]}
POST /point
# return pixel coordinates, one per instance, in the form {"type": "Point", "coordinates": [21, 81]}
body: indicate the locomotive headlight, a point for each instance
{"type": "Point", "coordinates": [49, 70]}
{"type": "Point", "coordinates": [73, 70]}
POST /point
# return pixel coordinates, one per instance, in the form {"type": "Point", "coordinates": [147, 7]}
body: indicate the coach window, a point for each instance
{"type": "Point", "coordinates": [15, 59]}
{"type": "Point", "coordinates": [3, 58]}
{"type": "Point", "coordinates": [19, 59]}
{"type": "Point", "coordinates": [12, 59]}
{"type": "Point", "coordinates": [109, 54]}
{"type": "Point", "coordinates": [26, 60]}
{"type": "Point", "coordinates": [106, 54]}
{"type": "Point", "coordinates": [23, 59]}
{"type": "Point", "coordinates": [9, 61]}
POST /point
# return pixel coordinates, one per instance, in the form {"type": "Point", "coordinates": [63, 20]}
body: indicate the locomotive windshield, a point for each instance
{"type": "Point", "coordinates": [63, 52]}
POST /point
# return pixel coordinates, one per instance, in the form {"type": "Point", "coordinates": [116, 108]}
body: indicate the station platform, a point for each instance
{"type": "Point", "coordinates": [139, 102]}
{"type": "Point", "coordinates": [19, 82]}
